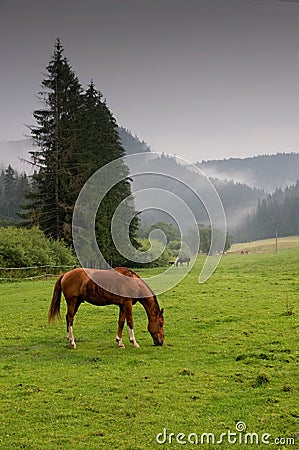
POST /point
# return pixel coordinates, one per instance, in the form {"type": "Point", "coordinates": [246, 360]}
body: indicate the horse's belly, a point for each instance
{"type": "Point", "coordinates": [98, 301]}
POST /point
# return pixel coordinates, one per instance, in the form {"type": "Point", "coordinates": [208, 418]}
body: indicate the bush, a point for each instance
{"type": "Point", "coordinates": [157, 248]}
{"type": "Point", "coordinates": [178, 248]}
{"type": "Point", "coordinates": [21, 247]}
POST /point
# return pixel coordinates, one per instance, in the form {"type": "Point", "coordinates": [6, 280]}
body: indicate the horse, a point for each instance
{"type": "Point", "coordinates": [182, 260]}
{"type": "Point", "coordinates": [120, 286]}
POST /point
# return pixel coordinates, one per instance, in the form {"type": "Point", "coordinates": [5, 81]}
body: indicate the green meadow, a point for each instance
{"type": "Point", "coordinates": [226, 377]}
{"type": "Point", "coordinates": [266, 245]}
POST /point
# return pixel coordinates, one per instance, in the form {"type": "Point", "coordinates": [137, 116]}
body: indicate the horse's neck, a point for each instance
{"type": "Point", "coordinates": [151, 307]}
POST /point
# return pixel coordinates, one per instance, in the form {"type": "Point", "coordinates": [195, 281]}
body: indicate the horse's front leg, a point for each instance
{"type": "Point", "coordinates": [129, 317]}
{"type": "Point", "coordinates": [121, 322]}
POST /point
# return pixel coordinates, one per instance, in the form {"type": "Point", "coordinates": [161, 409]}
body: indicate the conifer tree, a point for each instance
{"type": "Point", "coordinates": [102, 145]}
{"type": "Point", "coordinates": [75, 136]}
{"type": "Point", "coordinates": [55, 138]}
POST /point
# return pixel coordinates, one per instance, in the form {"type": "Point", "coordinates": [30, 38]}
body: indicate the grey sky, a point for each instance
{"type": "Point", "coordinates": [199, 79]}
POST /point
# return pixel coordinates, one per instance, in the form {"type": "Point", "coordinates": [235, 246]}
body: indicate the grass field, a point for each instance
{"type": "Point", "coordinates": [266, 245]}
{"type": "Point", "coordinates": [230, 357]}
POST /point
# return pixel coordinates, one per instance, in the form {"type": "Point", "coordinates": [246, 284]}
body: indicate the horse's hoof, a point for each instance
{"type": "Point", "coordinates": [74, 345]}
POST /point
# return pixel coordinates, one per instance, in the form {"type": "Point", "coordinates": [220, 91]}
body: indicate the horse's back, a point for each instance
{"type": "Point", "coordinates": [108, 285]}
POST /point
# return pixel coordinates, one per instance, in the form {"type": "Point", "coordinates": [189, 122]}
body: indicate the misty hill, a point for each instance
{"type": "Point", "coordinates": [278, 211]}
{"type": "Point", "coordinates": [132, 144]}
{"type": "Point", "coordinates": [267, 172]}
{"type": "Point", "coordinates": [16, 153]}
{"type": "Point", "coordinates": [240, 183]}
{"type": "Point", "coordinates": [168, 175]}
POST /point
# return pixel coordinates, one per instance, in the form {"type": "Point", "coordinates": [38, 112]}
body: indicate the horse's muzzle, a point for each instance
{"type": "Point", "coordinates": [158, 343]}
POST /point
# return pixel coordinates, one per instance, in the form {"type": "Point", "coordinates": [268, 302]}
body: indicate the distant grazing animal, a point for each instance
{"type": "Point", "coordinates": [182, 260]}
{"type": "Point", "coordinates": [120, 286]}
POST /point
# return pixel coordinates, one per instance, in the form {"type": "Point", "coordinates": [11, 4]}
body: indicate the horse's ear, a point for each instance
{"type": "Point", "coordinates": [161, 312]}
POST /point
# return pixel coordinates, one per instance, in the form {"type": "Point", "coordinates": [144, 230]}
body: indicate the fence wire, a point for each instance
{"type": "Point", "coordinates": [33, 272]}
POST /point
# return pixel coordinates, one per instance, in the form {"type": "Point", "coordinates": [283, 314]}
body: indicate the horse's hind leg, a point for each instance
{"type": "Point", "coordinates": [121, 322]}
{"type": "Point", "coordinates": [72, 307]}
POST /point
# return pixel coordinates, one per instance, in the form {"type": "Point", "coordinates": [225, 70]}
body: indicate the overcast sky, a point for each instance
{"type": "Point", "coordinates": [202, 79]}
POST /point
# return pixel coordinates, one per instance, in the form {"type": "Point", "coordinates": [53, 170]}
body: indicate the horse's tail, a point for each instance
{"type": "Point", "coordinates": [54, 310]}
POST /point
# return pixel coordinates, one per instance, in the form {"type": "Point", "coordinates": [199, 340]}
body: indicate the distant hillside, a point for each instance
{"type": "Point", "coordinates": [16, 152]}
{"type": "Point", "coordinates": [266, 245]}
{"type": "Point", "coordinates": [278, 210]}
{"type": "Point", "coordinates": [189, 186]}
{"type": "Point", "coordinates": [132, 144]}
{"type": "Point", "coordinates": [242, 184]}
{"type": "Point", "coordinates": [267, 172]}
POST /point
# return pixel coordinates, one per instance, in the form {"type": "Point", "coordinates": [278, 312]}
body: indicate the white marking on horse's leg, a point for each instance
{"type": "Point", "coordinates": [120, 342]}
{"type": "Point", "coordinates": [71, 337]}
{"type": "Point", "coordinates": [132, 338]}
{"type": "Point", "coordinates": [68, 336]}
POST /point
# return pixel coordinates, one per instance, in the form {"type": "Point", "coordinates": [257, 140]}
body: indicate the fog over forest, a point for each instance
{"type": "Point", "coordinates": [247, 187]}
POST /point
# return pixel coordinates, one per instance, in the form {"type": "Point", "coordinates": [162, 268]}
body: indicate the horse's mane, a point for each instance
{"type": "Point", "coordinates": [129, 273]}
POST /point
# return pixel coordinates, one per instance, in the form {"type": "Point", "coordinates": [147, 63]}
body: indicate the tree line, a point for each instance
{"type": "Point", "coordinates": [278, 211]}
{"type": "Point", "coordinates": [13, 187]}
{"type": "Point", "coordinates": [195, 239]}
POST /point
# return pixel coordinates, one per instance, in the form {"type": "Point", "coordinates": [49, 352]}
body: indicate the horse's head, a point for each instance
{"type": "Point", "coordinates": [156, 329]}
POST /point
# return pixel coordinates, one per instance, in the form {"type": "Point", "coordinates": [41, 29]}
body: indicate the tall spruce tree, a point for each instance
{"type": "Point", "coordinates": [101, 134]}
{"type": "Point", "coordinates": [54, 138]}
{"type": "Point", "coordinates": [76, 135]}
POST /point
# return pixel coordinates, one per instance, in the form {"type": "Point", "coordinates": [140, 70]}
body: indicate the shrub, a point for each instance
{"type": "Point", "coordinates": [178, 248]}
{"type": "Point", "coordinates": [157, 248]}
{"type": "Point", "coordinates": [21, 247]}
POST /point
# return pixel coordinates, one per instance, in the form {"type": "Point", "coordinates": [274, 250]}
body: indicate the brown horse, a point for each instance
{"type": "Point", "coordinates": [120, 286]}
